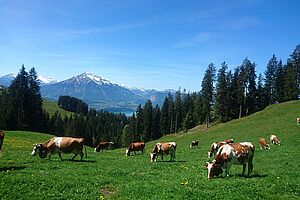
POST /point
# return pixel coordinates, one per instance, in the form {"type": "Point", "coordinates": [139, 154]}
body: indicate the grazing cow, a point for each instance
{"type": "Point", "coordinates": [135, 146]}
{"type": "Point", "coordinates": [59, 145]}
{"type": "Point", "coordinates": [1, 139]}
{"type": "Point", "coordinates": [102, 145]}
{"type": "Point", "coordinates": [298, 121]}
{"type": "Point", "coordinates": [263, 144]}
{"type": "Point", "coordinates": [274, 139]}
{"type": "Point", "coordinates": [228, 154]}
{"type": "Point", "coordinates": [194, 144]}
{"type": "Point", "coordinates": [161, 149]}
{"type": "Point", "coordinates": [216, 145]}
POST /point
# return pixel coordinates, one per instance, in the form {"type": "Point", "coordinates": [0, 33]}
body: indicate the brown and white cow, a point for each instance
{"type": "Point", "coordinates": [216, 145]}
{"type": "Point", "coordinates": [263, 144]}
{"type": "Point", "coordinates": [168, 148]}
{"type": "Point", "coordinates": [59, 145]}
{"type": "Point", "coordinates": [1, 140]}
{"type": "Point", "coordinates": [229, 154]}
{"type": "Point", "coordinates": [274, 139]}
{"type": "Point", "coordinates": [135, 146]}
{"type": "Point", "coordinates": [298, 121]}
{"type": "Point", "coordinates": [102, 145]}
{"type": "Point", "coordinates": [194, 143]}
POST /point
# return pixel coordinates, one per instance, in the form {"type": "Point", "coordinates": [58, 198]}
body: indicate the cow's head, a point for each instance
{"type": "Point", "coordinates": [39, 149]}
{"type": "Point", "coordinates": [153, 157]}
{"type": "Point", "coordinates": [213, 170]}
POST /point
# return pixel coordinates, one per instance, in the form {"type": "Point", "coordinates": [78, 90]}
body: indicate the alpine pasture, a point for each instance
{"type": "Point", "coordinates": [112, 175]}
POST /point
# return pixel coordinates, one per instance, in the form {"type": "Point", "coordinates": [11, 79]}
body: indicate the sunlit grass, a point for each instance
{"type": "Point", "coordinates": [112, 175]}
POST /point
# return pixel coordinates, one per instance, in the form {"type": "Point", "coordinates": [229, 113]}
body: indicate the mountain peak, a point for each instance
{"type": "Point", "coordinates": [89, 76]}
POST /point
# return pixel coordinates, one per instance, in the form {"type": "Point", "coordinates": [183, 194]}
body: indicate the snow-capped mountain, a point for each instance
{"type": "Point", "coordinates": [96, 91]}
{"type": "Point", "coordinates": [101, 93]}
{"type": "Point", "coordinates": [46, 80]}
{"type": "Point", "coordinates": [7, 79]}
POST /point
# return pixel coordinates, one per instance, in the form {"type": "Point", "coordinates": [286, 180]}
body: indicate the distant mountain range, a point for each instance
{"type": "Point", "coordinates": [97, 92]}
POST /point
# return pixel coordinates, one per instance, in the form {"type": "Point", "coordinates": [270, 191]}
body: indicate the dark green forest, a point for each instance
{"type": "Point", "coordinates": [224, 95]}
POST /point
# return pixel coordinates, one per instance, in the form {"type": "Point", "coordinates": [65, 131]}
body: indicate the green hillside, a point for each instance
{"type": "Point", "coordinates": [112, 175]}
{"type": "Point", "coordinates": [51, 107]}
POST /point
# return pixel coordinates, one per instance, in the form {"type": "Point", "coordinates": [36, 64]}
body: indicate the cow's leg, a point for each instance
{"type": "Point", "coordinates": [81, 155]}
{"type": "Point", "coordinates": [74, 156]}
{"type": "Point", "coordinates": [244, 168]}
{"type": "Point", "coordinates": [250, 168]}
{"type": "Point", "coordinates": [59, 154]}
{"type": "Point", "coordinates": [162, 157]}
{"type": "Point", "coordinates": [142, 151]}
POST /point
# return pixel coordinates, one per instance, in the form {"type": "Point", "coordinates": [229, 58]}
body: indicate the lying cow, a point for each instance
{"type": "Point", "coordinates": [263, 144]}
{"type": "Point", "coordinates": [1, 139]}
{"type": "Point", "coordinates": [59, 145]}
{"type": "Point", "coordinates": [274, 139]}
{"type": "Point", "coordinates": [102, 145]}
{"type": "Point", "coordinates": [298, 121]}
{"type": "Point", "coordinates": [161, 149]}
{"type": "Point", "coordinates": [216, 145]}
{"type": "Point", "coordinates": [135, 146]}
{"type": "Point", "coordinates": [194, 144]}
{"type": "Point", "coordinates": [229, 154]}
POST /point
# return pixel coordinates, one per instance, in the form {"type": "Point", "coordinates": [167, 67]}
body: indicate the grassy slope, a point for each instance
{"type": "Point", "coordinates": [51, 107]}
{"type": "Point", "coordinates": [113, 175]}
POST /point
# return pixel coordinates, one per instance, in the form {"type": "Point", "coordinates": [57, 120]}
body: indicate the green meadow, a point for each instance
{"type": "Point", "coordinates": [112, 175]}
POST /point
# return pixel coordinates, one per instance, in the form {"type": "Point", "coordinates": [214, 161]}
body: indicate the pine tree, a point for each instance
{"type": "Point", "coordinates": [279, 83]}
{"type": "Point", "coordinates": [164, 119]}
{"type": "Point", "coordinates": [148, 121]}
{"type": "Point", "coordinates": [19, 91]}
{"type": "Point", "coordinates": [270, 80]}
{"type": "Point", "coordinates": [139, 121]}
{"type": "Point", "coordinates": [189, 121]}
{"type": "Point", "coordinates": [222, 110]}
{"type": "Point", "coordinates": [198, 112]}
{"type": "Point", "coordinates": [178, 111]}
{"type": "Point", "coordinates": [261, 99]}
{"type": "Point", "coordinates": [208, 91]}
{"type": "Point", "coordinates": [156, 133]}
{"type": "Point", "coordinates": [250, 86]}
{"type": "Point", "coordinates": [35, 108]}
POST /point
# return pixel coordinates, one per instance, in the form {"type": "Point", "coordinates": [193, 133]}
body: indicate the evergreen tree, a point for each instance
{"type": "Point", "coordinates": [270, 80]}
{"type": "Point", "coordinates": [262, 99]}
{"type": "Point", "coordinates": [139, 121]}
{"type": "Point", "coordinates": [290, 82]}
{"type": "Point", "coordinates": [156, 133]}
{"type": "Point", "coordinates": [164, 119]}
{"type": "Point", "coordinates": [35, 110]}
{"type": "Point", "coordinates": [198, 112]}
{"type": "Point", "coordinates": [148, 121]}
{"type": "Point", "coordinates": [222, 110]}
{"type": "Point", "coordinates": [189, 121]}
{"type": "Point", "coordinates": [208, 92]}
{"type": "Point", "coordinates": [19, 90]}
{"type": "Point", "coordinates": [178, 111]}
{"type": "Point", "coordinates": [250, 86]}
{"type": "Point", "coordinates": [279, 83]}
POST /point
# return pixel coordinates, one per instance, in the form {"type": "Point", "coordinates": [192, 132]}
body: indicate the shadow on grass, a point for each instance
{"type": "Point", "coordinates": [11, 168]}
{"type": "Point", "coordinates": [245, 176]}
{"type": "Point", "coordinates": [169, 161]}
{"type": "Point", "coordinates": [83, 161]}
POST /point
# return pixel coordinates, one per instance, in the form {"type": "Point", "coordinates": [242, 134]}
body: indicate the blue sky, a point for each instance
{"type": "Point", "coordinates": [155, 44]}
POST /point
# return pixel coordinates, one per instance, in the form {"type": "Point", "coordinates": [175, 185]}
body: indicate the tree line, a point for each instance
{"type": "Point", "coordinates": [72, 104]}
{"type": "Point", "coordinates": [224, 95]}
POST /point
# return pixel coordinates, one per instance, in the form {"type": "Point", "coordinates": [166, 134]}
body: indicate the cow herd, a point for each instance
{"type": "Point", "coordinates": [226, 153]}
